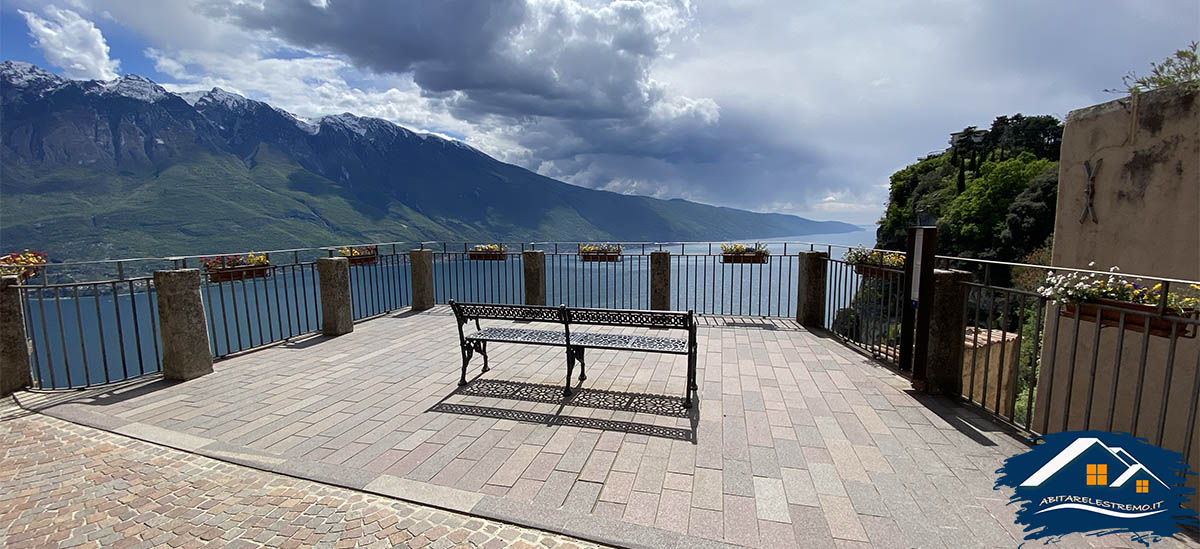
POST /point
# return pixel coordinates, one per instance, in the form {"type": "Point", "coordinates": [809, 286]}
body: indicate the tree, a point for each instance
{"type": "Point", "coordinates": [1181, 69]}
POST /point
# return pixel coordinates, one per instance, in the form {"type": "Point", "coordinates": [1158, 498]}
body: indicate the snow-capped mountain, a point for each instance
{"type": "Point", "coordinates": [180, 158]}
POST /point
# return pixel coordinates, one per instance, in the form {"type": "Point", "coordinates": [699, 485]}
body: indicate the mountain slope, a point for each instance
{"type": "Point", "coordinates": [103, 169]}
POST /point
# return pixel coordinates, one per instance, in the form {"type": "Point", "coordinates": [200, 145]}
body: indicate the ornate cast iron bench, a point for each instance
{"type": "Point", "coordinates": [575, 342]}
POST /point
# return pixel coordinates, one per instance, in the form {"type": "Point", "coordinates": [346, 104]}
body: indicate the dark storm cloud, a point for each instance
{"type": "Point", "coordinates": [773, 105]}
{"type": "Point", "coordinates": [507, 56]}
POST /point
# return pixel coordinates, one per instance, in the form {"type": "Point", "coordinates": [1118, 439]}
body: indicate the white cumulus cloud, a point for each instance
{"type": "Point", "coordinates": [71, 43]}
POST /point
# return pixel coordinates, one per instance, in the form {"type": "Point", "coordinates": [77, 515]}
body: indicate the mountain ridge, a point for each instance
{"type": "Point", "coordinates": [97, 168]}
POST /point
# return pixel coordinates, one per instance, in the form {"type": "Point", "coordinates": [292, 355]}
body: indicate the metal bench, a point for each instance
{"type": "Point", "coordinates": [575, 341]}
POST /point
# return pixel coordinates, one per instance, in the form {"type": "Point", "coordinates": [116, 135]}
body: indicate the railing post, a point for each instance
{"type": "Point", "coordinates": [660, 280]}
{"type": "Point", "coordinates": [810, 294]}
{"type": "Point", "coordinates": [947, 329]}
{"type": "Point", "coordinates": [421, 265]}
{"type": "Point", "coordinates": [337, 316]}
{"type": "Point", "coordinates": [535, 276]}
{"type": "Point", "coordinates": [14, 347]}
{"type": "Point", "coordinates": [183, 326]}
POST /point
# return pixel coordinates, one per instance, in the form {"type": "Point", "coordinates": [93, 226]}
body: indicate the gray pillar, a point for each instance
{"type": "Point", "coordinates": [14, 347]}
{"type": "Point", "coordinates": [337, 316]}
{"type": "Point", "coordinates": [421, 263]}
{"type": "Point", "coordinates": [660, 280]}
{"type": "Point", "coordinates": [535, 276]}
{"type": "Point", "coordinates": [947, 329]}
{"type": "Point", "coordinates": [182, 324]}
{"type": "Point", "coordinates": [810, 294]}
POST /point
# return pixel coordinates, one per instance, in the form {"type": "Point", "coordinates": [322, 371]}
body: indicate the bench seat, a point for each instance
{"type": "Point", "coordinates": [519, 335]}
{"type": "Point", "coordinates": [630, 342]}
{"type": "Point", "coordinates": [624, 342]}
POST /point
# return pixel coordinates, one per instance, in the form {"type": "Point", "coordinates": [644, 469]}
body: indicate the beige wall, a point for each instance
{"type": "Point", "coordinates": [1147, 205]}
{"type": "Point", "coordinates": [990, 364]}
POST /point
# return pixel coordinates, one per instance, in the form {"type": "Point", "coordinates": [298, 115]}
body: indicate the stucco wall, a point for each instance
{"type": "Point", "coordinates": [1147, 207]}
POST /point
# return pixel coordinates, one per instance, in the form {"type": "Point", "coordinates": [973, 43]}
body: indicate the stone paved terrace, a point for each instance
{"type": "Point", "coordinates": [66, 485]}
{"type": "Point", "coordinates": [797, 440]}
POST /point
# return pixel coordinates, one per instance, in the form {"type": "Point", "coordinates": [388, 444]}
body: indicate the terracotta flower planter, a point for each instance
{"type": "Point", "coordinates": [1135, 317]}
{"type": "Point", "coordinates": [239, 273]}
{"type": "Point", "coordinates": [600, 256]}
{"type": "Point", "coordinates": [745, 258]}
{"type": "Point", "coordinates": [365, 259]}
{"type": "Point", "coordinates": [485, 255]}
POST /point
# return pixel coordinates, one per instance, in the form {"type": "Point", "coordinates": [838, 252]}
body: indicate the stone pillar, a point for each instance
{"type": "Point", "coordinates": [947, 326]}
{"type": "Point", "coordinates": [810, 294]}
{"type": "Point", "coordinates": [337, 315]}
{"type": "Point", "coordinates": [535, 276]}
{"type": "Point", "coordinates": [660, 280]}
{"type": "Point", "coordinates": [421, 264]}
{"type": "Point", "coordinates": [182, 324]}
{"type": "Point", "coordinates": [14, 346]}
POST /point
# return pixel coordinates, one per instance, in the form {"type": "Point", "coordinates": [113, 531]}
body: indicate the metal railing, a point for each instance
{"type": "Point", "coordinates": [1044, 367]}
{"type": "Point", "coordinates": [703, 281]}
{"type": "Point", "coordinates": [622, 282]}
{"type": "Point", "coordinates": [465, 276]}
{"type": "Point", "coordinates": [865, 306]}
{"type": "Point", "coordinates": [277, 303]}
{"type": "Point", "coordinates": [91, 333]}
{"type": "Point", "coordinates": [380, 285]}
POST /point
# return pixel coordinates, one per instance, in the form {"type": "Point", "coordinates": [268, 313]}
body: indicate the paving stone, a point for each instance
{"type": "Point", "coordinates": [181, 498]}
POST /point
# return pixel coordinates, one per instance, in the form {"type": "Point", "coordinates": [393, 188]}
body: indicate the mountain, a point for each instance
{"type": "Point", "coordinates": [95, 169]}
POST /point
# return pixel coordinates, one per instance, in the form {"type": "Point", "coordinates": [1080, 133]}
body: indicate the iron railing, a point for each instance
{"type": "Point", "coordinates": [252, 311]}
{"type": "Point", "coordinates": [381, 285]}
{"type": "Point", "coordinates": [91, 333]}
{"type": "Point", "coordinates": [1044, 367]}
{"type": "Point", "coordinates": [622, 282]}
{"type": "Point", "coordinates": [465, 276]}
{"type": "Point", "coordinates": [865, 306]}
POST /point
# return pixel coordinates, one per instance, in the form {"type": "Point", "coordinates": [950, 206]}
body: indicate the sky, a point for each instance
{"type": "Point", "coordinates": [772, 105]}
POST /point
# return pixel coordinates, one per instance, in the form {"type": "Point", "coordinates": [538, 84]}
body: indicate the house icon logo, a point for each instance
{"type": "Point", "coordinates": [1098, 483]}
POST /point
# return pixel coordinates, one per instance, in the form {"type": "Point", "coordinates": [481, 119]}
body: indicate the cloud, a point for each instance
{"type": "Point", "coordinates": [71, 43]}
{"type": "Point", "coordinates": [770, 105]}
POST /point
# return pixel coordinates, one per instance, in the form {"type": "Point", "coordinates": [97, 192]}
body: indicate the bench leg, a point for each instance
{"type": "Point", "coordinates": [466, 356]}
{"type": "Point", "coordinates": [690, 387]}
{"type": "Point", "coordinates": [579, 357]}
{"type": "Point", "coordinates": [483, 351]}
{"type": "Point", "coordinates": [570, 368]}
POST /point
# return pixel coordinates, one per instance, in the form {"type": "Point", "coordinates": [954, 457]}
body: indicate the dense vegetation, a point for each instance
{"type": "Point", "coordinates": [992, 194]}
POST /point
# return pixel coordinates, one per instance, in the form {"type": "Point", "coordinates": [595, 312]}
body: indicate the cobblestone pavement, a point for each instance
{"type": "Point", "coordinates": [66, 485]}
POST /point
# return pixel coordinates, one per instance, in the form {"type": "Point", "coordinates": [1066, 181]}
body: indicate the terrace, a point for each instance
{"type": "Point", "coordinates": [808, 429]}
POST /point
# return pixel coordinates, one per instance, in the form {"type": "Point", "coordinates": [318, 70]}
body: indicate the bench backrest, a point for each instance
{"type": "Point", "coordinates": [466, 312]}
{"type": "Point", "coordinates": [634, 318]}
{"type": "Point", "coordinates": [488, 311]}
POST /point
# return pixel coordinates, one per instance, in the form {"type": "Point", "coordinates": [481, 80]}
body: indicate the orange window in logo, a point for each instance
{"type": "Point", "coordinates": [1143, 486]}
{"type": "Point", "coordinates": [1097, 474]}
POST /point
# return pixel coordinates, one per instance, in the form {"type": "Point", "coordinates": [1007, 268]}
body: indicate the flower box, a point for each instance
{"type": "Point", "coordinates": [875, 271]}
{"type": "Point", "coordinates": [367, 259]}
{"type": "Point", "coordinates": [600, 256]}
{"type": "Point", "coordinates": [24, 265]}
{"type": "Point", "coordinates": [745, 258]}
{"type": "Point", "coordinates": [485, 255]}
{"type": "Point", "coordinates": [238, 273]}
{"type": "Point", "coordinates": [359, 255]}
{"type": "Point", "coordinates": [1135, 316]}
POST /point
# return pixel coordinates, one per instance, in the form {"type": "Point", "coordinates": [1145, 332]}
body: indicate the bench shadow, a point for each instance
{"type": "Point", "coordinates": [581, 397]}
